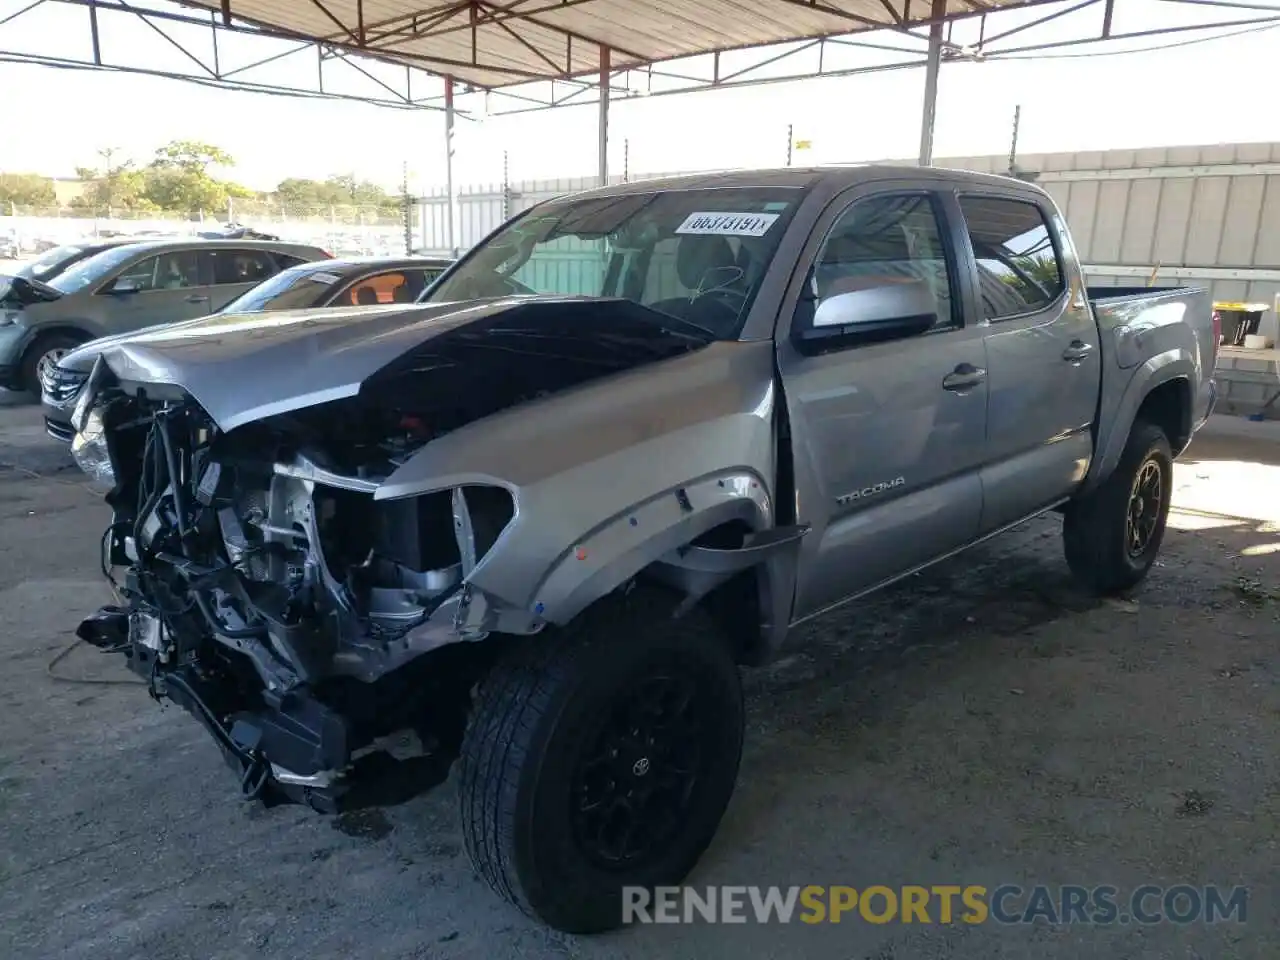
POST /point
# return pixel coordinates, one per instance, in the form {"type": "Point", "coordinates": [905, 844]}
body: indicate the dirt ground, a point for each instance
{"type": "Point", "coordinates": [984, 723]}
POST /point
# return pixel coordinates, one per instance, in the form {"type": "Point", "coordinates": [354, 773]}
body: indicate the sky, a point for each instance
{"type": "Point", "coordinates": [1071, 99]}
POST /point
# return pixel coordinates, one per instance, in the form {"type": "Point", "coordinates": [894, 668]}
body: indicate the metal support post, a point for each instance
{"type": "Point", "coordinates": [604, 116]}
{"type": "Point", "coordinates": [1013, 145]}
{"type": "Point", "coordinates": [451, 235]}
{"type": "Point", "coordinates": [506, 188]}
{"type": "Point", "coordinates": [406, 208]}
{"type": "Point", "coordinates": [931, 82]}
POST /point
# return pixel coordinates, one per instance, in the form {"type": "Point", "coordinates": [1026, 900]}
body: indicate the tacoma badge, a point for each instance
{"type": "Point", "coordinates": [870, 491]}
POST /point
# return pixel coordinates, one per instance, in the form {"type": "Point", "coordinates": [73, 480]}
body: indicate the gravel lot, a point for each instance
{"type": "Point", "coordinates": [984, 723]}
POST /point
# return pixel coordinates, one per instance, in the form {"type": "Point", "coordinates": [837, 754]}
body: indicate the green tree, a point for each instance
{"type": "Point", "coordinates": [124, 190]}
{"type": "Point", "coordinates": [179, 178]}
{"type": "Point", "coordinates": [115, 186]}
{"type": "Point", "coordinates": [1044, 270]}
{"type": "Point", "coordinates": [192, 156]}
{"type": "Point", "coordinates": [361, 192]}
{"type": "Point", "coordinates": [27, 190]}
{"type": "Point", "coordinates": [339, 190]}
{"type": "Point", "coordinates": [300, 192]}
{"type": "Point", "coordinates": [171, 188]}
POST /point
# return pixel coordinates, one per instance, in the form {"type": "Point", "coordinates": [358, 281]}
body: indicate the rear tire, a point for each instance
{"type": "Point", "coordinates": [51, 346]}
{"type": "Point", "coordinates": [599, 756]}
{"type": "Point", "coordinates": [1112, 534]}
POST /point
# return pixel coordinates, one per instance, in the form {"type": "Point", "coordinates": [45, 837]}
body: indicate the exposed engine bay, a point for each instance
{"type": "Point", "coordinates": [270, 592]}
{"type": "Point", "coordinates": [260, 576]}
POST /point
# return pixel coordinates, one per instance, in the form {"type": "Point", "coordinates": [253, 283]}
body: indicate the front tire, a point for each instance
{"type": "Point", "coordinates": [1112, 534]}
{"type": "Point", "coordinates": [49, 348]}
{"type": "Point", "coordinates": [601, 756]}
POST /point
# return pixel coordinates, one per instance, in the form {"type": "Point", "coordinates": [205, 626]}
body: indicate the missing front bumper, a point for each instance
{"type": "Point", "coordinates": [286, 749]}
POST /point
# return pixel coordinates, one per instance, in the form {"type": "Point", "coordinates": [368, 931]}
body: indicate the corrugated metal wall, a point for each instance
{"type": "Point", "coordinates": [1207, 216]}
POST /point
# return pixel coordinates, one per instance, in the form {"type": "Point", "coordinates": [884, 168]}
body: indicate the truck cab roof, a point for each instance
{"type": "Point", "coordinates": [834, 178]}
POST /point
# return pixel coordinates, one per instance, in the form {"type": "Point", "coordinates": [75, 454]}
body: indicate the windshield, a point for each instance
{"type": "Point", "coordinates": [297, 287]}
{"type": "Point", "coordinates": [92, 270]}
{"type": "Point", "coordinates": [697, 255]}
{"type": "Point", "coordinates": [50, 263]}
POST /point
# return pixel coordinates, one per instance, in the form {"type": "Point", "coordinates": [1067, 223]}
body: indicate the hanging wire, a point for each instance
{"type": "Point", "coordinates": [1120, 53]}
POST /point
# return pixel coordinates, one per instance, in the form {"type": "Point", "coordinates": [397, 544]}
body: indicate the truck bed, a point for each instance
{"type": "Point", "coordinates": [1141, 330]}
{"type": "Point", "coordinates": [1138, 323]}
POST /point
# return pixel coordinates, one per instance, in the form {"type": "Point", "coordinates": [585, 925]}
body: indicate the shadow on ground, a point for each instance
{"type": "Point", "coordinates": [13, 398]}
{"type": "Point", "coordinates": [985, 722]}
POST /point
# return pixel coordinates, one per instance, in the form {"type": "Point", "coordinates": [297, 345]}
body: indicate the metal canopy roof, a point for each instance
{"type": "Point", "coordinates": [416, 54]}
{"type": "Point", "coordinates": [498, 43]}
{"type": "Point", "coordinates": [515, 48]}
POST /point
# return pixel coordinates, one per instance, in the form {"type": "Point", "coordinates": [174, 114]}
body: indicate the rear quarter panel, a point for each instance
{"type": "Point", "coordinates": [1149, 337]}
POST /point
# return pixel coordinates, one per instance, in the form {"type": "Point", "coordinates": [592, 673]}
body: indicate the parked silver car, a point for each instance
{"type": "Point", "coordinates": [52, 262]}
{"type": "Point", "coordinates": [126, 288]}
{"type": "Point", "coordinates": [322, 283]}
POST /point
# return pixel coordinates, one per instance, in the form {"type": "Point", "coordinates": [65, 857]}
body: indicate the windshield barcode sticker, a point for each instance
{"type": "Point", "coordinates": [728, 224]}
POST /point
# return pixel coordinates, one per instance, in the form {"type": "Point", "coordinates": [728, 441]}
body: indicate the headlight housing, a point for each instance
{"type": "Point", "coordinates": [89, 448]}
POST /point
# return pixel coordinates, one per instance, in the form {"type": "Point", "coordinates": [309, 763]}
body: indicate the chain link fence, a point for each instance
{"type": "Point", "coordinates": [342, 229]}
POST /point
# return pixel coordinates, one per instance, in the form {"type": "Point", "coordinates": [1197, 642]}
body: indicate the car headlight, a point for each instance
{"type": "Point", "coordinates": [89, 449]}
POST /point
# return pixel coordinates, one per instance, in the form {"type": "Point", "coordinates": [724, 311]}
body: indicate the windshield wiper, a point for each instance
{"type": "Point", "coordinates": [616, 341]}
{"type": "Point", "coordinates": [632, 315]}
{"type": "Point", "coordinates": [703, 334]}
{"type": "Point", "coordinates": [629, 342]}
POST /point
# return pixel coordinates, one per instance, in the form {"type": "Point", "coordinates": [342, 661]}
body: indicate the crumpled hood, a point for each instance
{"type": "Point", "coordinates": [80, 360]}
{"type": "Point", "coordinates": [244, 367]}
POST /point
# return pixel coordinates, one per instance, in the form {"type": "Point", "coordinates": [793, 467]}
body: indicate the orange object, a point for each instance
{"type": "Point", "coordinates": [383, 286]}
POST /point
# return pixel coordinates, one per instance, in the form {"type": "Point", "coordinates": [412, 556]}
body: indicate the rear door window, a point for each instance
{"type": "Point", "coordinates": [167, 271]}
{"type": "Point", "coordinates": [1019, 269]}
{"type": "Point", "coordinates": [241, 266]}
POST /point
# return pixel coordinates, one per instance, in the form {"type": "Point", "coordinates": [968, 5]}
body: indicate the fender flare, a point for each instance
{"type": "Point", "coordinates": [63, 327]}
{"type": "Point", "coordinates": [654, 532]}
{"type": "Point", "coordinates": [1171, 365]}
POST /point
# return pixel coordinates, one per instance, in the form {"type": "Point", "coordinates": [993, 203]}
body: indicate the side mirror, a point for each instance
{"type": "Point", "coordinates": [122, 288]}
{"type": "Point", "coordinates": [885, 311]}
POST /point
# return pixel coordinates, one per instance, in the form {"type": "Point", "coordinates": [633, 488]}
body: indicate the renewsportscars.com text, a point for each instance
{"type": "Point", "coordinates": [1008, 904]}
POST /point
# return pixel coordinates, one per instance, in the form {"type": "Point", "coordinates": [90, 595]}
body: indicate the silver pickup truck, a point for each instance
{"type": "Point", "coordinates": [541, 518]}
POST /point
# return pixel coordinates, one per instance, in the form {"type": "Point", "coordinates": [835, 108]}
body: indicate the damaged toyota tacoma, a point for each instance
{"type": "Point", "coordinates": [536, 522]}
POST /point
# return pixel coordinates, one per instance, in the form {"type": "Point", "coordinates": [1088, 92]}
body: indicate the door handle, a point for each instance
{"type": "Point", "coordinates": [194, 298]}
{"type": "Point", "coordinates": [963, 377]}
{"type": "Point", "coordinates": [1077, 350]}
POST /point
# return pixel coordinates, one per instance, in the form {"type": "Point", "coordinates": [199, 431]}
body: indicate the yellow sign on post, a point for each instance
{"type": "Point", "coordinates": [804, 144]}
